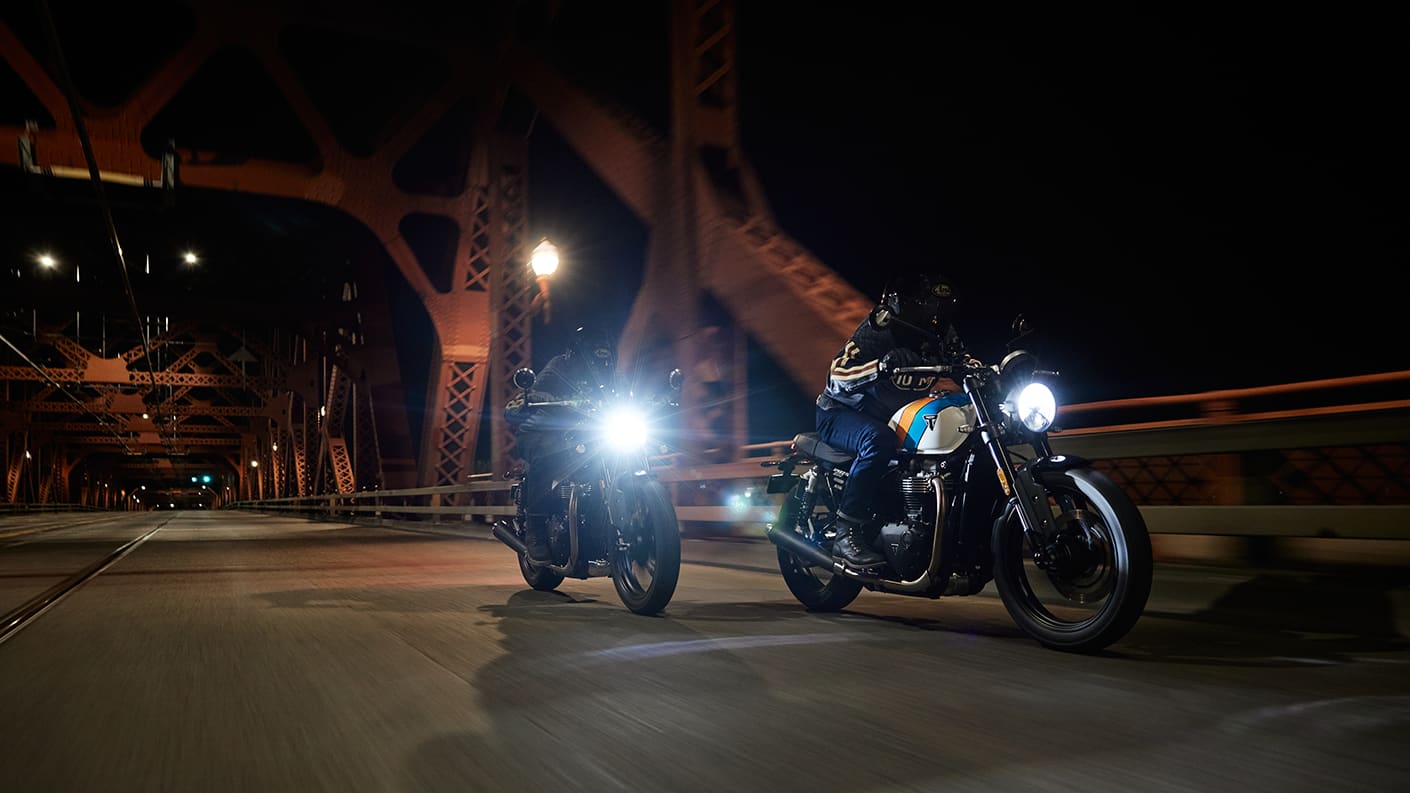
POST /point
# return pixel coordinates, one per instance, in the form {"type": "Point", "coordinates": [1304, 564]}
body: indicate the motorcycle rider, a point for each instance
{"type": "Point", "coordinates": [582, 370]}
{"type": "Point", "coordinates": [910, 326]}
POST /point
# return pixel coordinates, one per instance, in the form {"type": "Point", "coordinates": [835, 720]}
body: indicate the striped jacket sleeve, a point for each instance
{"type": "Point", "coordinates": [850, 371]}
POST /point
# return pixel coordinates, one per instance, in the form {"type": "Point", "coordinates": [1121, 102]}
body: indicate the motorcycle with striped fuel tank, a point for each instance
{"type": "Point", "coordinates": [974, 494]}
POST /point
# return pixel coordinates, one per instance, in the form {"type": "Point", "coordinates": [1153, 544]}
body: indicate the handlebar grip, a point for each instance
{"type": "Point", "coordinates": [936, 369]}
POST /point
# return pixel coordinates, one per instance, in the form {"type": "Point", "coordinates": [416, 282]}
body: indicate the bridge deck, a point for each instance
{"type": "Point", "coordinates": [234, 651]}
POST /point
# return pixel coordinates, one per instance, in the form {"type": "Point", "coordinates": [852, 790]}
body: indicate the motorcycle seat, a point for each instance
{"type": "Point", "coordinates": [808, 443]}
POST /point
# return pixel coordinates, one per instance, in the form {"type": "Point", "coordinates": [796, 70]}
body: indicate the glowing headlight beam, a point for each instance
{"type": "Point", "coordinates": [1037, 407]}
{"type": "Point", "coordinates": [625, 429]}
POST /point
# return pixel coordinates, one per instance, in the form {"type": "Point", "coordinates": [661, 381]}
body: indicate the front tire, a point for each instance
{"type": "Point", "coordinates": [1094, 599]}
{"type": "Point", "coordinates": [817, 589]}
{"type": "Point", "coordinates": [647, 562]}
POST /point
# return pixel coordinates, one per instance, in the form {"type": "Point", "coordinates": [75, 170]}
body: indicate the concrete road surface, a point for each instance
{"type": "Point", "coordinates": [251, 653]}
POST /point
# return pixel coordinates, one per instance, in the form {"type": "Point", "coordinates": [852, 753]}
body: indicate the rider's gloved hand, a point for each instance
{"type": "Point", "coordinates": [898, 358]}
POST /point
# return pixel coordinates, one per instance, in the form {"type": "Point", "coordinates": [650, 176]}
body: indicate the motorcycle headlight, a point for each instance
{"type": "Point", "coordinates": [625, 429]}
{"type": "Point", "coordinates": [1036, 406]}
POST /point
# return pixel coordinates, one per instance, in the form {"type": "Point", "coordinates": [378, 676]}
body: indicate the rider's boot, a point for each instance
{"type": "Point", "coordinates": [536, 537]}
{"type": "Point", "coordinates": [851, 545]}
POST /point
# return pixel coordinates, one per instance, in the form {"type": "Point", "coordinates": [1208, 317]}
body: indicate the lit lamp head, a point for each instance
{"type": "Point", "coordinates": [543, 260]}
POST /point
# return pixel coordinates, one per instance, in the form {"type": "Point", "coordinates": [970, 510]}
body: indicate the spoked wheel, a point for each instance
{"type": "Point", "coordinates": [647, 561]}
{"type": "Point", "coordinates": [816, 587]}
{"type": "Point", "coordinates": [1096, 572]}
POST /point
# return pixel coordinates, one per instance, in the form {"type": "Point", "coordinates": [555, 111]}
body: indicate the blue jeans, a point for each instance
{"type": "Point", "coordinates": [873, 442]}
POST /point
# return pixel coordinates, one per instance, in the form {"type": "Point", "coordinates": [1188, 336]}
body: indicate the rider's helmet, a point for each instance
{"type": "Point", "coordinates": [919, 300]}
{"type": "Point", "coordinates": [595, 350]}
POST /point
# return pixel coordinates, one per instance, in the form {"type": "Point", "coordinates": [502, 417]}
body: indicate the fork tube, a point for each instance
{"type": "Point", "coordinates": [1018, 485]}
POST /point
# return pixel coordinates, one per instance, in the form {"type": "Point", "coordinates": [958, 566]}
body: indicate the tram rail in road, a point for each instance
{"type": "Point", "coordinates": [17, 618]}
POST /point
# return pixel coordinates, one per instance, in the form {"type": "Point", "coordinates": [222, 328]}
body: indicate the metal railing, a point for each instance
{"type": "Point", "coordinates": [1217, 429]}
{"type": "Point", "coordinates": [25, 508]}
{"type": "Point", "coordinates": [1320, 459]}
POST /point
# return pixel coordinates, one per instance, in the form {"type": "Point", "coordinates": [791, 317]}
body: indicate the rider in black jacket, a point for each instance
{"type": "Point", "coordinates": [581, 371]}
{"type": "Point", "coordinates": [910, 326]}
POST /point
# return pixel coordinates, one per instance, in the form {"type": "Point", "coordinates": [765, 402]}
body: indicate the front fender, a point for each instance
{"type": "Point", "coordinates": [626, 489]}
{"type": "Point", "coordinates": [630, 479]}
{"type": "Point", "coordinates": [1057, 462]}
{"type": "Point", "coordinates": [1030, 496]}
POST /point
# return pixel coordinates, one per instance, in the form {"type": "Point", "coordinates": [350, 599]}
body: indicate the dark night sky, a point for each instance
{"type": "Point", "coordinates": [1181, 201]}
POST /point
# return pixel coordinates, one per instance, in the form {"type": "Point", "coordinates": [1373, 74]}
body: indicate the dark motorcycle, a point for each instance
{"type": "Point", "coordinates": [962, 504]}
{"type": "Point", "coordinates": [612, 516]}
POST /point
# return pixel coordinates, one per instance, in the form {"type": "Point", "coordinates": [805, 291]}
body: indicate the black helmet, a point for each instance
{"type": "Point", "coordinates": [595, 348]}
{"type": "Point", "coordinates": [925, 301]}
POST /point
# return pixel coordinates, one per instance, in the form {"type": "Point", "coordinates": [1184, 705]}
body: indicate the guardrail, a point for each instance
{"type": "Point", "coordinates": [1221, 425]}
{"type": "Point", "coordinates": [25, 508]}
{"type": "Point", "coordinates": [406, 506]}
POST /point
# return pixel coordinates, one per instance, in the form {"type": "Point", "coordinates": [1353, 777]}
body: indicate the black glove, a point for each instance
{"type": "Point", "coordinates": [900, 357]}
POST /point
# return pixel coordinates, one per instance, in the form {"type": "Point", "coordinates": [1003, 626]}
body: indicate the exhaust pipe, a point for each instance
{"type": "Point", "coordinates": [791, 542]}
{"type": "Point", "coordinates": [504, 534]}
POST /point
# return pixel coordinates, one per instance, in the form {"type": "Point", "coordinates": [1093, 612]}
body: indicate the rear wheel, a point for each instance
{"type": "Point", "coordinates": [817, 588]}
{"type": "Point", "coordinates": [1097, 572]}
{"type": "Point", "coordinates": [647, 561]}
{"type": "Point", "coordinates": [538, 576]}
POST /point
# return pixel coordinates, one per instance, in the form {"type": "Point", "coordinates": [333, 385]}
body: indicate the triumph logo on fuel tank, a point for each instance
{"type": "Point", "coordinates": [930, 420]}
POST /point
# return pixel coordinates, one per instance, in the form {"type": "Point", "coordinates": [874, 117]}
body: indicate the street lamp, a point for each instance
{"type": "Point", "coordinates": [543, 260]}
{"type": "Point", "coordinates": [190, 257]}
{"type": "Point", "coordinates": [47, 260]}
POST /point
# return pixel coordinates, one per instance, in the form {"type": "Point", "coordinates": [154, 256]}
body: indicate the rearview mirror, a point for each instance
{"type": "Point", "coordinates": [524, 379]}
{"type": "Point", "coordinates": [675, 379]}
{"type": "Point", "coordinates": [1020, 329]}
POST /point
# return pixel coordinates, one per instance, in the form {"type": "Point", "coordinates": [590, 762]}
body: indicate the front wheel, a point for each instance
{"type": "Point", "coordinates": [1096, 574]}
{"type": "Point", "coordinates": [818, 589]}
{"type": "Point", "coordinates": [647, 562]}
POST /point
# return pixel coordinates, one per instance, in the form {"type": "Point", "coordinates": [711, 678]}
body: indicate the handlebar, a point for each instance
{"type": "Point", "coordinates": [562, 403]}
{"type": "Point", "coordinates": [936, 369]}
{"type": "Point", "coordinates": [946, 369]}
{"type": "Point", "coordinates": [581, 404]}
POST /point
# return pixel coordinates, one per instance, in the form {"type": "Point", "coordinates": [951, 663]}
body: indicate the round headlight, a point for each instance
{"type": "Point", "coordinates": [1037, 407]}
{"type": "Point", "coordinates": [625, 429]}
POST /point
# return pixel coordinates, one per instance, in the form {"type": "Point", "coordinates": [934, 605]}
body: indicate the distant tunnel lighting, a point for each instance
{"type": "Point", "coordinates": [544, 259]}
{"type": "Point", "coordinates": [47, 260]}
{"type": "Point", "coordinates": [190, 257]}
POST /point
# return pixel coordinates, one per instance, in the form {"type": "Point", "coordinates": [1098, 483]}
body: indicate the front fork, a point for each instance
{"type": "Point", "coordinates": [1021, 485]}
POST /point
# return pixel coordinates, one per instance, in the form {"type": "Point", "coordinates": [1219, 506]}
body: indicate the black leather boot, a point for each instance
{"type": "Point", "coordinates": [536, 537]}
{"type": "Point", "coordinates": [851, 546]}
